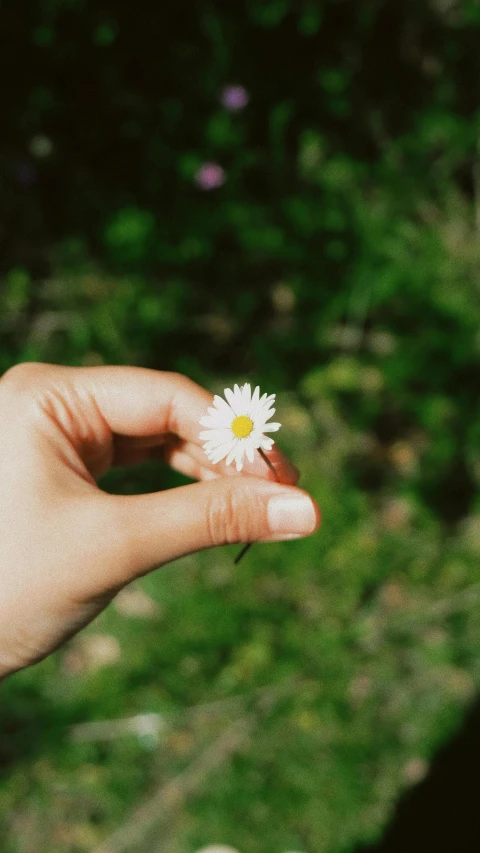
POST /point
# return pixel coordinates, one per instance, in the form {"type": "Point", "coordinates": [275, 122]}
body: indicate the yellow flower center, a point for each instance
{"type": "Point", "coordinates": [242, 426]}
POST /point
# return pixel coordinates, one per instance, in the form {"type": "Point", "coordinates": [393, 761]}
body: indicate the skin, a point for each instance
{"type": "Point", "coordinates": [66, 547]}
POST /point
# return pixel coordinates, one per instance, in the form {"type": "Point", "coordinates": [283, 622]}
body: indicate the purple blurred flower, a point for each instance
{"type": "Point", "coordinates": [210, 176]}
{"type": "Point", "coordinates": [234, 97]}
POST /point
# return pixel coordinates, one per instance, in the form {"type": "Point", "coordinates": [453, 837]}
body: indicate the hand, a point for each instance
{"type": "Point", "coordinates": [67, 547]}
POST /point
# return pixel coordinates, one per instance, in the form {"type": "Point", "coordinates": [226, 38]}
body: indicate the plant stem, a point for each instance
{"type": "Point", "coordinates": [242, 552]}
{"type": "Point", "coordinates": [272, 468]}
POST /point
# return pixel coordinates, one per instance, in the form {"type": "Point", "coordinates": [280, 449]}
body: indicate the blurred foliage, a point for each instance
{"type": "Point", "coordinates": [338, 265]}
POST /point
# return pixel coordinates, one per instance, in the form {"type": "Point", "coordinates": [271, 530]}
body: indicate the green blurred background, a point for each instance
{"type": "Point", "coordinates": [330, 253]}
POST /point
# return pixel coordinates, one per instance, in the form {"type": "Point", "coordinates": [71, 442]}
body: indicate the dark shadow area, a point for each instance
{"type": "Point", "coordinates": [441, 815]}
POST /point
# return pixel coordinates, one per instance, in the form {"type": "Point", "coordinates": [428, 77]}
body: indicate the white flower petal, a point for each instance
{"type": "Point", "coordinates": [267, 403]}
{"type": "Point", "coordinates": [218, 446]}
{"type": "Point", "coordinates": [216, 423]}
{"type": "Point", "coordinates": [255, 397]}
{"type": "Point", "coordinates": [210, 438]}
{"type": "Point", "coordinates": [247, 395]}
{"type": "Point", "coordinates": [221, 451]}
{"type": "Point", "coordinates": [218, 458]}
{"type": "Point", "coordinates": [238, 399]}
{"type": "Point", "coordinates": [221, 432]}
{"type": "Point", "coordinates": [219, 418]}
{"type": "Point", "coordinates": [255, 438]}
{"type": "Point", "coordinates": [205, 437]}
{"type": "Point", "coordinates": [271, 427]}
{"type": "Point", "coordinates": [212, 443]}
{"type": "Point", "coordinates": [249, 451]}
{"type": "Point", "coordinates": [222, 406]}
{"type": "Point", "coordinates": [240, 406]}
{"type": "Point", "coordinates": [224, 421]}
{"type": "Point", "coordinates": [266, 414]}
{"type": "Point", "coordinates": [213, 446]}
{"type": "Point", "coordinates": [233, 452]}
{"type": "Point", "coordinates": [215, 434]}
{"type": "Point", "coordinates": [231, 397]}
{"type": "Point", "coordinates": [239, 454]}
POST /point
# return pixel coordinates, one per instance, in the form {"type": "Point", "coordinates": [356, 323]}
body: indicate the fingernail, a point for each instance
{"type": "Point", "coordinates": [289, 515]}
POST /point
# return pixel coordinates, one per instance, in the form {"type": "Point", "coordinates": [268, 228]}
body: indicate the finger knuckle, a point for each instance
{"type": "Point", "coordinates": [233, 516]}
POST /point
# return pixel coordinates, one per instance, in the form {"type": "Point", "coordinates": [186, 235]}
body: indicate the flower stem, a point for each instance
{"type": "Point", "coordinates": [272, 468]}
{"type": "Point", "coordinates": [242, 552]}
{"type": "Point", "coordinates": [267, 460]}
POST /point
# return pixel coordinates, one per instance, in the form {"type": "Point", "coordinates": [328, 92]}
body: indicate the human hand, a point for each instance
{"type": "Point", "coordinates": [66, 546]}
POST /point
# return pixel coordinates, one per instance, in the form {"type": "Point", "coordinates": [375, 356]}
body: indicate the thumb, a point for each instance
{"type": "Point", "coordinates": [153, 529]}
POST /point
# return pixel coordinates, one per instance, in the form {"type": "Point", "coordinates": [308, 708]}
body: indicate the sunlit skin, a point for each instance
{"type": "Point", "coordinates": [66, 546]}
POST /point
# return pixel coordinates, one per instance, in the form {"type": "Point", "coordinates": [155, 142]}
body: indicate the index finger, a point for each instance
{"type": "Point", "coordinates": [142, 405]}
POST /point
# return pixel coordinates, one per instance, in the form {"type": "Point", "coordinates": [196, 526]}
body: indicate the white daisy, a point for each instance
{"type": "Point", "coordinates": [237, 427]}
